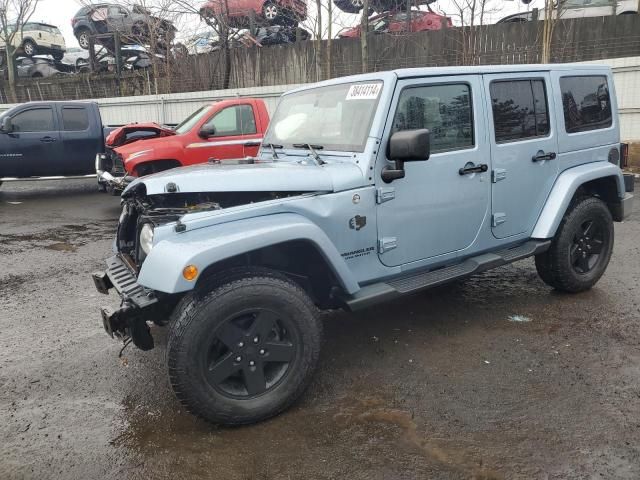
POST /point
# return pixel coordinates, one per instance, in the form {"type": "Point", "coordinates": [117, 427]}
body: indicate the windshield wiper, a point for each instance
{"type": "Point", "coordinates": [312, 149]}
{"type": "Point", "coordinates": [273, 147]}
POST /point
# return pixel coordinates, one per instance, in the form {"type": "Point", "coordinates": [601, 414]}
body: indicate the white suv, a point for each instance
{"type": "Point", "coordinates": [38, 39]}
{"type": "Point", "coordinates": [580, 9]}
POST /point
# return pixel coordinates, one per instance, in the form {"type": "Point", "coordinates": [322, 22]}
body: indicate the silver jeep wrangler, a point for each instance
{"type": "Point", "coordinates": [366, 188]}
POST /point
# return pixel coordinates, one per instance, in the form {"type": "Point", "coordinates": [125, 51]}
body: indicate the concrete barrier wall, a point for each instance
{"type": "Point", "coordinates": [172, 109]}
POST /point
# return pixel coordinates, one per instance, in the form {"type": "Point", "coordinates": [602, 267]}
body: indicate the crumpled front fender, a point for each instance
{"type": "Point", "coordinates": [162, 269]}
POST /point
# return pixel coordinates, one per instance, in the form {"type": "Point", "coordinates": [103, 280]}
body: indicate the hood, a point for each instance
{"type": "Point", "coordinates": [135, 132]}
{"type": "Point", "coordinates": [255, 177]}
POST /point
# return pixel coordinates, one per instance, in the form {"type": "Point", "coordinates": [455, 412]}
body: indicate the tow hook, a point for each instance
{"type": "Point", "coordinates": [124, 323]}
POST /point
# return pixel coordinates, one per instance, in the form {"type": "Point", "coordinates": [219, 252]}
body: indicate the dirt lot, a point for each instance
{"type": "Point", "coordinates": [495, 377]}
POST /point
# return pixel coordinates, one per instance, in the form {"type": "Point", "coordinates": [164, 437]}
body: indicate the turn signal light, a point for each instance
{"type": "Point", "coordinates": [190, 272]}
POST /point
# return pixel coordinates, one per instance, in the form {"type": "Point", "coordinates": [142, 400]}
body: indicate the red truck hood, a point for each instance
{"type": "Point", "coordinates": [136, 132]}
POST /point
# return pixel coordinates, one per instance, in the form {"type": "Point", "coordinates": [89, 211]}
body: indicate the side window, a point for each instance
{"type": "Point", "coordinates": [519, 109]}
{"type": "Point", "coordinates": [75, 119]}
{"type": "Point", "coordinates": [444, 109]}
{"type": "Point", "coordinates": [236, 120]}
{"type": "Point", "coordinates": [34, 120]}
{"type": "Point", "coordinates": [586, 103]}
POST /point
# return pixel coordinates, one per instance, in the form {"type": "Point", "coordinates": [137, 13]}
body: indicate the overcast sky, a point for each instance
{"type": "Point", "coordinates": [60, 13]}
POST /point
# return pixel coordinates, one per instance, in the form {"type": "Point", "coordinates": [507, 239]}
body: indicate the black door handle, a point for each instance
{"type": "Point", "coordinates": [252, 144]}
{"type": "Point", "coordinates": [48, 139]}
{"type": "Point", "coordinates": [540, 156]}
{"type": "Point", "coordinates": [471, 168]}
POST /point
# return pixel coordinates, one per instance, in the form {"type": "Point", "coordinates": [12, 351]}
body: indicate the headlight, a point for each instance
{"type": "Point", "coordinates": [146, 238]}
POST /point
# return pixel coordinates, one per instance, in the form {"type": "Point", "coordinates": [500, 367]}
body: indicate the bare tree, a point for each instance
{"type": "Point", "coordinates": [469, 15]}
{"type": "Point", "coordinates": [318, 47]}
{"type": "Point", "coordinates": [218, 20]}
{"type": "Point", "coordinates": [551, 16]}
{"type": "Point", "coordinates": [364, 36]}
{"type": "Point", "coordinates": [329, 36]}
{"type": "Point", "coordinates": [14, 14]}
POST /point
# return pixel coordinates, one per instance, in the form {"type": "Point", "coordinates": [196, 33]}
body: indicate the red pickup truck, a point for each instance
{"type": "Point", "coordinates": [223, 130]}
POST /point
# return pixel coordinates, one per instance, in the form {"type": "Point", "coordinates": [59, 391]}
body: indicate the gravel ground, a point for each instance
{"type": "Point", "coordinates": [496, 377]}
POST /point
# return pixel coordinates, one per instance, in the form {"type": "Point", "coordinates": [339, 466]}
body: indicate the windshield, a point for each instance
{"type": "Point", "coordinates": [337, 117]}
{"type": "Point", "coordinates": [192, 120]}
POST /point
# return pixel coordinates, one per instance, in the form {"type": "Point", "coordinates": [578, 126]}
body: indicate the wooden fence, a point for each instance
{"type": "Point", "coordinates": [514, 43]}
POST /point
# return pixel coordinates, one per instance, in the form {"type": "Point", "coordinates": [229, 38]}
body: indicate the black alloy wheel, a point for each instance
{"type": "Point", "coordinates": [250, 353]}
{"type": "Point", "coordinates": [587, 245]}
{"type": "Point", "coordinates": [581, 248]}
{"type": "Point", "coordinates": [243, 346]}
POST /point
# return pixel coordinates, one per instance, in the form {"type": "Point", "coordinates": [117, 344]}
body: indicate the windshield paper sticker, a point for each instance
{"type": "Point", "coordinates": [364, 91]}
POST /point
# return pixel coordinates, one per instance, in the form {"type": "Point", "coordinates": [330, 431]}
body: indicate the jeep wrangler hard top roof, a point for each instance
{"type": "Point", "coordinates": [486, 69]}
{"type": "Point", "coordinates": [403, 73]}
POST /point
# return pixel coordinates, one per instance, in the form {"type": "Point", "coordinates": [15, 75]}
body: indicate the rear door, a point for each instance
{"type": "Point", "coordinates": [45, 36]}
{"type": "Point", "coordinates": [80, 143]}
{"type": "Point", "coordinates": [236, 136]}
{"type": "Point", "coordinates": [524, 148]}
{"type": "Point", "coordinates": [33, 148]}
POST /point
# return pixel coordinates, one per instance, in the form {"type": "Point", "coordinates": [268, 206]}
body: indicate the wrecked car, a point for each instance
{"type": "Point", "coordinates": [223, 130]}
{"type": "Point", "coordinates": [352, 201]}
{"type": "Point", "coordinates": [396, 23]}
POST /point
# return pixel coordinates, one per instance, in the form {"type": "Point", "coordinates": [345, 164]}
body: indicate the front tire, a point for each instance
{"type": "Point", "coordinates": [244, 350]}
{"type": "Point", "coordinates": [581, 249]}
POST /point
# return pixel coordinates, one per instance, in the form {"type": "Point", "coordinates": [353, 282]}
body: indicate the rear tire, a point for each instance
{"type": "Point", "coordinates": [245, 348]}
{"type": "Point", "coordinates": [83, 38]}
{"type": "Point", "coordinates": [271, 12]}
{"type": "Point", "coordinates": [581, 249]}
{"type": "Point", "coordinates": [29, 48]}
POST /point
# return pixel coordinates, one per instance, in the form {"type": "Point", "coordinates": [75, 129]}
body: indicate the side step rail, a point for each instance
{"type": "Point", "coordinates": [416, 281]}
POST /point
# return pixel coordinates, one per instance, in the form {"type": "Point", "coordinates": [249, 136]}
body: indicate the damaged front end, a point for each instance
{"type": "Point", "coordinates": [141, 215]}
{"type": "Point", "coordinates": [111, 173]}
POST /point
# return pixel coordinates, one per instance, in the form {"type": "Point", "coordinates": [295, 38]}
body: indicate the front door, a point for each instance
{"type": "Point", "coordinates": [235, 136]}
{"type": "Point", "coordinates": [33, 148]}
{"type": "Point", "coordinates": [440, 205]}
{"type": "Point", "coordinates": [524, 148]}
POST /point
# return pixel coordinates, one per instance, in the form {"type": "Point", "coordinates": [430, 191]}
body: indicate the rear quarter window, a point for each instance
{"type": "Point", "coordinates": [586, 103]}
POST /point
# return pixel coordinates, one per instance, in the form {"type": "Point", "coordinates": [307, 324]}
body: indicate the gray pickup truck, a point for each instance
{"type": "Point", "coordinates": [366, 189]}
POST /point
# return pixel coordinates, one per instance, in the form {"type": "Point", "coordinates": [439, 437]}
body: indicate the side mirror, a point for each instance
{"type": "Point", "coordinates": [7, 125]}
{"type": "Point", "coordinates": [207, 131]}
{"type": "Point", "coordinates": [406, 146]}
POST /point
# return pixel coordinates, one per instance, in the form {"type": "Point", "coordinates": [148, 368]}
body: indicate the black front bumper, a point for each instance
{"type": "Point", "coordinates": [138, 303]}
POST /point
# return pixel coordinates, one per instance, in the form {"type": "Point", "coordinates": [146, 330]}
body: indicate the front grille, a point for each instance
{"type": "Point", "coordinates": [117, 165]}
